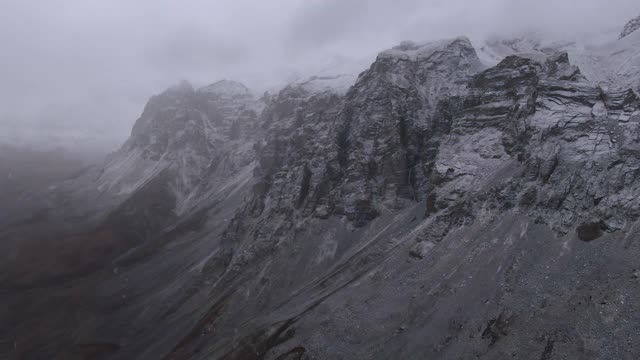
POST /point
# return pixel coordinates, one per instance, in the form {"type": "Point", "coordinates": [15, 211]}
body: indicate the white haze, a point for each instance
{"type": "Point", "coordinates": [80, 71]}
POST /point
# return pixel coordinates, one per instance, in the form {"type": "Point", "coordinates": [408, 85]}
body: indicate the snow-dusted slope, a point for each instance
{"type": "Point", "coordinates": [198, 136]}
{"type": "Point", "coordinates": [495, 49]}
{"type": "Point", "coordinates": [615, 64]}
{"type": "Point", "coordinates": [336, 75]}
{"type": "Point", "coordinates": [227, 88]}
{"type": "Point", "coordinates": [611, 64]}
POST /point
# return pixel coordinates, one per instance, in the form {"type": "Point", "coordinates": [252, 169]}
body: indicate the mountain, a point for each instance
{"type": "Point", "coordinates": [630, 27]}
{"type": "Point", "coordinates": [611, 64]}
{"type": "Point", "coordinates": [191, 135]}
{"type": "Point", "coordinates": [449, 203]}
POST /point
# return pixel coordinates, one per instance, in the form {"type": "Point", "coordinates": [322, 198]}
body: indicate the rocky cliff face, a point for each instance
{"type": "Point", "coordinates": [190, 151]}
{"type": "Point", "coordinates": [444, 178]}
{"type": "Point", "coordinates": [439, 208]}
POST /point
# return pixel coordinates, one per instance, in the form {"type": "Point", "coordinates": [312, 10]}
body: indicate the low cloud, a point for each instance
{"type": "Point", "coordinates": [99, 61]}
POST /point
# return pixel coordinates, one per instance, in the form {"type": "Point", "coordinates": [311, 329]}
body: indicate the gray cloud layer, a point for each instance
{"type": "Point", "coordinates": [90, 65]}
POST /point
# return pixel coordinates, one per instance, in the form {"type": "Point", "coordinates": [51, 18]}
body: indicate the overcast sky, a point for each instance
{"type": "Point", "coordinates": [89, 66]}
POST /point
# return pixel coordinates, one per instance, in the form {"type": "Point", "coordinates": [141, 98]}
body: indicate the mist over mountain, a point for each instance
{"type": "Point", "coordinates": [306, 183]}
{"type": "Point", "coordinates": [80, 71]}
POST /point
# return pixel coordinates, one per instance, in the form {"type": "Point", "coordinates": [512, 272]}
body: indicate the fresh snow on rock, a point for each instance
{"type": "Point", "coordinates": [495, 49]}
{"type": "Point", "coordinates": [226, 88]}
{"type": "Point", "coordinates": [409, 50]}
{"type": "Point", "coordinates": [613, 63]}
{"type": "Point", "coordinates": [192, 139]}
{"type": "Point", "coordinates": [336, 75]}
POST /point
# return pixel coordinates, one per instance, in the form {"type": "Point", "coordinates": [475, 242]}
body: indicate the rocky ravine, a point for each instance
{"type": "Point", "coordinates": [440, 208]}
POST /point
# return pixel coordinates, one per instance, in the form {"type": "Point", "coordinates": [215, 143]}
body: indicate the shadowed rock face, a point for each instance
{"type": "Point", "coordinates": [438, 209]}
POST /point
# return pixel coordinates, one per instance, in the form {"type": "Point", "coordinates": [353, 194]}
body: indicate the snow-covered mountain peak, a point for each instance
{"type": "Point", "coordinates": [335, 75]}
{"type": "Point", "coordinates": [226, 88]}
{"type": "Point", "coordinates": [612, 63]}
{"type": "Point", "coordinates": [630, 27]}
{"type": "Point", "coordinates": [531, 45]}
{"type": "Point", "coordinates": [410, 50]}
